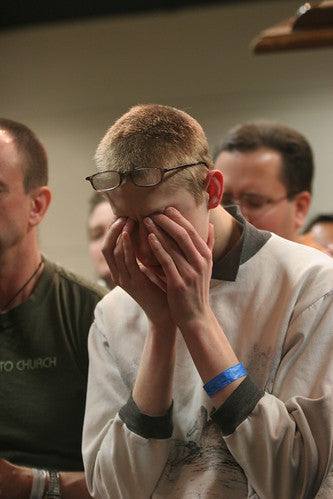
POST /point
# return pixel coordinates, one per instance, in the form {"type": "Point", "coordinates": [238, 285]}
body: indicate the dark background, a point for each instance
{"type": "Point", "coordinates": [18, 13]}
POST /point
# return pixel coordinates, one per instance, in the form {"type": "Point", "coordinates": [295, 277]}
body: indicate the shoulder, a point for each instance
{"type": "Point", "coordinates": [307, 240]}
{"type": "Point", "coordinates": [307, 268]}
{"type": "Point", "coordinates": [309, 255]}
{"type": "Point", "coordinates": [70, 282]}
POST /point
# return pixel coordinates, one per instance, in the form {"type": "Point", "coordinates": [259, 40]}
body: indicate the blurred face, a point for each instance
{"type": "Point", "coordinates": [98, 223]}
{"type": "Point", "coordinates": [257, 173]}
{"type": "Point", "coordinates": [136, 203]}
{"type": "Point", "coordinates": [14, 202]}
{"type": "Point", "coordinates": [322, 233]}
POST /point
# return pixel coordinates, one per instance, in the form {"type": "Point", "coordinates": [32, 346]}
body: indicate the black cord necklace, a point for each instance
{"type": "Point", "coordinates": [24, 285]}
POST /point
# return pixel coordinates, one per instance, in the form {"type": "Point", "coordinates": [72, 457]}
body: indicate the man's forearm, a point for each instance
{"type": "Point", "coordinates": [152, 391]}
{"type": "Point", "coordinates": [73, 485]}
{"type": "Point", "coordinates": [17, 482]}
{"type": "Point", "coordinates": [211, 353]}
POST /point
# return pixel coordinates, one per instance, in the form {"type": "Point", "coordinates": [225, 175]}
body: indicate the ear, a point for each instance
{"type": "Point", "coordinates": [302, 202]}
{"type": "Point", "coordinates": [214, 188]}
{"type": "Point", "coordinates": [40, 198]}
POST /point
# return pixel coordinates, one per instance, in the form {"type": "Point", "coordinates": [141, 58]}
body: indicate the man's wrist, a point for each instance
{"type": "Point", "coordinates": [45, 484]}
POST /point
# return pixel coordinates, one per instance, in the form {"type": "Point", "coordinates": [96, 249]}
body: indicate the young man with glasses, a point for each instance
{"type": "Point", "coordinates": [211, 367]}
{"type": "Point", "coordinates": [268, 170]}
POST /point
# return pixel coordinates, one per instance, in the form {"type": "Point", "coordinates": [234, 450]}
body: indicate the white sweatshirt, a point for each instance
{"type": "Point", "coordinates": [273, 438]}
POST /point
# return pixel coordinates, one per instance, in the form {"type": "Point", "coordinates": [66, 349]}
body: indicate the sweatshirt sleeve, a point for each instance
{"type": "Point", "coordinates": [115, 457]}
{"type": "Point", "coordinates": [285, 444]}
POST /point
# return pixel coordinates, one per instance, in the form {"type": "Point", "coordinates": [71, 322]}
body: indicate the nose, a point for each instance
{"type": "Point", "coordinates": [142, 247]}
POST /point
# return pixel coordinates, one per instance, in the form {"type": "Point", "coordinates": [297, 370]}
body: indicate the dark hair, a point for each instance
{"type": "Point", "coordinates": [96, 199]}
{"type": "Point", "coordinates": [296, 153]}
{"type": "Point", "coordinates": [32, 153]}
{"type": "Point", "coordinates": [321, 218]}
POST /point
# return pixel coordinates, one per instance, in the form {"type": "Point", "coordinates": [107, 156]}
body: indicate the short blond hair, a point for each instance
{"type": "Point", "coordinates": [151, 135]}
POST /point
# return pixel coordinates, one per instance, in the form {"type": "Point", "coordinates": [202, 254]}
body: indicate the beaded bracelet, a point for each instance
{"type": "Point", "coordinates": [224, 379]}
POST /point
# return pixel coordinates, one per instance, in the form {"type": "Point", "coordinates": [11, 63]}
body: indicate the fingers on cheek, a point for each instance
{"type": "Point", "coordinates": [109, 242]}
{"type": "Point", "coordinates": [172, 235]}
{"type": "Point", "coordinates": [162, 224]}
{"type": "Point", "coordinates": [106, 252]}
{"type": "Point", "coordinates": [154, 242]}
{"type": "Point", "coordinates": [127, 253]}
{"type": "Point", "coordinates": [106, 240]}
{"type": "Point", "coordinates": [118, 250]}
{"type": "Point", "coordinates": [114, 231]}
{"type": "Point", "coordinates": [124, 255]}
{"type": "Point", "coordinates": [157, 248]}
{"type": "Point", "coordinates": [116, 261]}
{"type": "Point", "coordinates": [165, 239]}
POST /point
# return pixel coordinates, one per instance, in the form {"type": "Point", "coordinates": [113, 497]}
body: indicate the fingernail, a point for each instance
{"type": "Point", "coordinates": [119, 221]}
{"type": "Point", "coordinates": [148, 221]}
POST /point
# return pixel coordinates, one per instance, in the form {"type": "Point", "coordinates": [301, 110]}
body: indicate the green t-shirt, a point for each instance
{"type": "Point", "coordinates": [43, 371]}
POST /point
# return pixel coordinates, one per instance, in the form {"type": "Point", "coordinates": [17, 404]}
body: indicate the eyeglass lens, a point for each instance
{"type": "Point", "coordinates": [249, 201]}
{"type": "Point", "coordinates": [106, 180]}
{"type": "Point", "coordinates": [146, 177]}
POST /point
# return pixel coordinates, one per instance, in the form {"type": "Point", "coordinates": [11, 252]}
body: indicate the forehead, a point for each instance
{"type": "Point", "coordinates": [5, 137]}
{"type": "Point", "coordinates": [8, 152]}
{"type": "Point", "coordinates": [250, 169]}
{"type": "Point", "coordinates": [10, 165]}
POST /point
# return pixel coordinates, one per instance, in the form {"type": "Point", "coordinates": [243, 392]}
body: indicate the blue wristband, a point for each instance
{"type": "Point", "coordinates": [224, 379]}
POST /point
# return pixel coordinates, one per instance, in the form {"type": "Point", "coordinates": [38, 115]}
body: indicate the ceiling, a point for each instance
{"type": "Point", "coordinates": [19, 13]}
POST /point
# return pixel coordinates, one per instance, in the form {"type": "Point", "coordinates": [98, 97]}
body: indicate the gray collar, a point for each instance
{"type": "Point", "coordinates": [249, 244]}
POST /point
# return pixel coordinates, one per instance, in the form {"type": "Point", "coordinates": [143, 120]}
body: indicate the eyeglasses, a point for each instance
{"type": "Point", "coordinates": [254, 202]}
{"type": "Point", "coordinates": [142, 177]}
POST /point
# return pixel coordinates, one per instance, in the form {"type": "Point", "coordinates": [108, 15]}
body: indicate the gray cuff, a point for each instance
{"type": "Point", "coordinates": [159, 427]}
{"type": "Point", "coordinates": [238, 406]}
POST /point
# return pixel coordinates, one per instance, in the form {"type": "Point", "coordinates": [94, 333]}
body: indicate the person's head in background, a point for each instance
{"type": "Point", "coordinates": [99, 219]}
{"type": "Point", "coordinates": [268, 170]}
{"type": "Point", "coordinates": [24, 195]}
{"type": "Point", "coordinates": [320, 231]}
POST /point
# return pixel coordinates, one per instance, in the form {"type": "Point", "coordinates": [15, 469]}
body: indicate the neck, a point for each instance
{"type": "Point", "coordinates": [226, 232]}
{"type": "Point", "coordinates": [16, 269]}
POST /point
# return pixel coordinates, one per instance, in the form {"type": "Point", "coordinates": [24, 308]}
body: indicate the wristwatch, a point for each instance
{"type": "Point", "coordinates": [53, 487]}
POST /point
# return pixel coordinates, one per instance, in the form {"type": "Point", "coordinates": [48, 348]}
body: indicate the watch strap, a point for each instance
{"type": "Point", "coordinates": [53, 486]}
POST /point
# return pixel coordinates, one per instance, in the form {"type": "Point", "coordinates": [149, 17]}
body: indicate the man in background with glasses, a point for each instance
{"type": "Point", "coordinates": [268, 170]}
{"type": "Point", "coordinates": [210, 363]}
